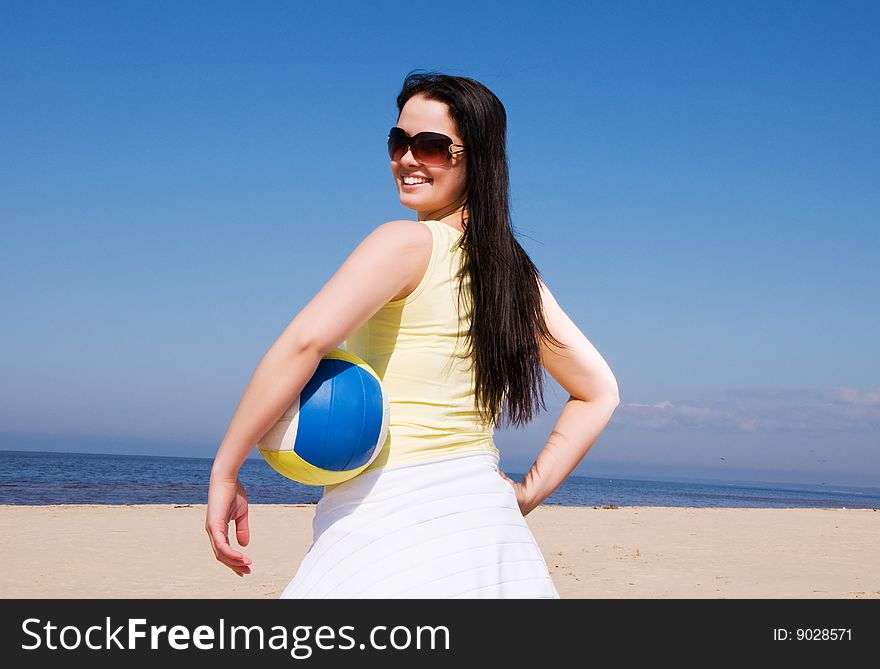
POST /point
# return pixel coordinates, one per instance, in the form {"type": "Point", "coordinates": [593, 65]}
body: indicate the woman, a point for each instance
{"type": "Point", "coordinates": [452, 315]}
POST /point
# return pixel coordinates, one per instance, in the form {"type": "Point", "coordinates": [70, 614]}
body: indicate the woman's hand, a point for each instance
{"type": "Point", "coordinates": [227, 501]}
{"type": "Point", "coordinates": [522, 495]}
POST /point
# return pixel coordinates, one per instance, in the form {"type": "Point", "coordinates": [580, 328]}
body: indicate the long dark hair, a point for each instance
{"type": "Point", "coordinates": [507, 319]}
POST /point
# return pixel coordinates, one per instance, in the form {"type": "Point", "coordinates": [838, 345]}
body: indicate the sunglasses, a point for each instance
{"type": "Point", "coordinates": [429, 148]}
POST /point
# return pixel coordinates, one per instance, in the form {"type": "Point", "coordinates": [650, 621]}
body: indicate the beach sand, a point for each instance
{"type": "Point", "coordinates": [162, 551]}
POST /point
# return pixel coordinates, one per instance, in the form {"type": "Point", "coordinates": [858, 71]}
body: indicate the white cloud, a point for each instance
{"type": "Point", "coordinates": [760, 409]}
{"type": "Point", "coordinates": [852, 396]}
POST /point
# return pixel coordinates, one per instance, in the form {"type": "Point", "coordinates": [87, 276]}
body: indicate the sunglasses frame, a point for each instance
{"type": "Point", "coordinates": [415, 138]}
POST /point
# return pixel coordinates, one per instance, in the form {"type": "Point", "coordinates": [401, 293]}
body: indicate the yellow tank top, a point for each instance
{"type": "Point", "coordinates": [417, 347]}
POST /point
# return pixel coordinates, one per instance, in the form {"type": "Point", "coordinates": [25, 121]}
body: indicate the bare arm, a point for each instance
{"type": "Point", "coordinates": [594, 395]}
{"type": "Point", "coordinates": [280, 377]}
{"type": "Point", "coordinates": [376, 271]}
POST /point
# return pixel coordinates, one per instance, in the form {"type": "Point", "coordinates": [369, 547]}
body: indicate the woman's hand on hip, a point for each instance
{"type": "Point", "coordinates": [522, 495]}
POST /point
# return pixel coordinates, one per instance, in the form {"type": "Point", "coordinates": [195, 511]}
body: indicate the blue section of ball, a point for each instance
{"type": "Point", "coordinates": [372, 421]}
{"type": "Point", "coordinates": [340, 416]}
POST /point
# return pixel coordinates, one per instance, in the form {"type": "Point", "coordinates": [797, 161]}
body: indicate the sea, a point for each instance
{"type": "Point", "coordinates": [39, 478]}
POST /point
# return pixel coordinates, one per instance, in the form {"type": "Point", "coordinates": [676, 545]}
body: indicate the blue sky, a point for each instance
{"type": "Point", "coordinates": [696, 181]}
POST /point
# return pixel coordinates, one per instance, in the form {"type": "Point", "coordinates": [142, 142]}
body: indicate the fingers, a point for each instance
{"type": "Point", "coordinates": [224, 553]}
{"type": "Point", "coordinates": [242, 530]}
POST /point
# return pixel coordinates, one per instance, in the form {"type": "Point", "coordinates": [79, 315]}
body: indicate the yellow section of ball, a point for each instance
{"type": "Point", "coordinates": [290, 465]}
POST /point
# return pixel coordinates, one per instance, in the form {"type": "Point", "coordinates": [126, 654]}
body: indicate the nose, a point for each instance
{"type": "Point", "coordinates": [407, 158]}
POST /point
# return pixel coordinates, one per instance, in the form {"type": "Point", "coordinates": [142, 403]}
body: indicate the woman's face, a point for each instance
{"type": "Point", "coordinates": [445, 192]}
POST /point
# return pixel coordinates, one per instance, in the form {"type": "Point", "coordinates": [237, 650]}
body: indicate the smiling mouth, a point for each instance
{"type": "Point", "coordinates": [417, 183]}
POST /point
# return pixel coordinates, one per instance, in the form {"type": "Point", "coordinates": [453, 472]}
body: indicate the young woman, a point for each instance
{"type": "Point", "coordinates": [452, 315]}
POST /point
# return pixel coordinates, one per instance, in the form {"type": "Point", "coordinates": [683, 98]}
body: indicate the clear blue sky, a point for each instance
{"type": "Point", "coordinates": [696, 181]}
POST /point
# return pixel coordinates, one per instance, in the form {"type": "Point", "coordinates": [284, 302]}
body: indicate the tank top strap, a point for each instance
{"type": "Point", "coordinates": [442, 239]}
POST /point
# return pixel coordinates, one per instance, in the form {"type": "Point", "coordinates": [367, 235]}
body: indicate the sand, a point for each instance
{"type": "Point", "coordinates": [162, 551]}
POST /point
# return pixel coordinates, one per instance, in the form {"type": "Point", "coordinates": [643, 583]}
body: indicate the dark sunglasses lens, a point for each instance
{"type": "Point", "coordinates": [431, 151]}
{"type": "Point", "coordinates": [397, 141]}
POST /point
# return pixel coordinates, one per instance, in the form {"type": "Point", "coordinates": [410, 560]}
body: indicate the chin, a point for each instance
{"type": "Point", "coordinates": [411, 196]}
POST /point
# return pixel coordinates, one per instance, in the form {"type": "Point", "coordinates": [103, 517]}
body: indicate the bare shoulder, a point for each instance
{"type": "Point", "coordinates": [404, 234]}
{"type": "Point", "coordinates": [376, 272]}
{"type": "Point", "coordinates": [412, 241]}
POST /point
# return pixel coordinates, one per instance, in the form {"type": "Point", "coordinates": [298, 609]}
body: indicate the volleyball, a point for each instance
{"type": "Point", "coordinates": [335, 428]}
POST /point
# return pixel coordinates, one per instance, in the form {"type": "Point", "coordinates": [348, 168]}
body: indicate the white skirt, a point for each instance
{"type": "Point", "coordinates": [448, 527]}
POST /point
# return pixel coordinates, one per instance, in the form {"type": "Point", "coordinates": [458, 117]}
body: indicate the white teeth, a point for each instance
{"type": "Point", "coordinates": [415, 180]}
